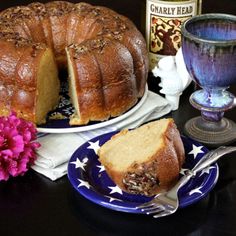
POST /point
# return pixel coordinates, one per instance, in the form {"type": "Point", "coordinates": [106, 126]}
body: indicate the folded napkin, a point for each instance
{"type": "Point", "coordinates": [56, 149]}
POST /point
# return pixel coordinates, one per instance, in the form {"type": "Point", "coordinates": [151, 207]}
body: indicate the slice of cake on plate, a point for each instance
{"type": "Point", "coordinates": [146, 160]}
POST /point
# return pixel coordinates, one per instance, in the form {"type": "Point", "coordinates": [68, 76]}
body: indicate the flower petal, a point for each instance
{"type": "Point", "coordinates": [5, 154]}
{"type": "Point", "coordinates": [17, 144]}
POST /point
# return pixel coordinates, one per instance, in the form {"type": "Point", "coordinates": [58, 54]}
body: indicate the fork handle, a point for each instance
{"type": "Point", "coordinates": [210, 158]}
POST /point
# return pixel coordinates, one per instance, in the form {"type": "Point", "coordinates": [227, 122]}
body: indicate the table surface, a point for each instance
{"type": "Point", "coordinates": [34, 205]}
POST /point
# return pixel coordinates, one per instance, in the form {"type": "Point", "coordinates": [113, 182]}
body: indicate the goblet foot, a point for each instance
{"type": "Point", "coordinates": [212, 134]}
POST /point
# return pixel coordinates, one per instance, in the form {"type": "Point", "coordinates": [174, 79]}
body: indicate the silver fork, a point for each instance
{"type": "Point", "coordinates": [167, 203]}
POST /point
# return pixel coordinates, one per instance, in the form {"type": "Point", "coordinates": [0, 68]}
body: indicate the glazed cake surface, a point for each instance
{"type": "Point", "coordinates": [104, 53]}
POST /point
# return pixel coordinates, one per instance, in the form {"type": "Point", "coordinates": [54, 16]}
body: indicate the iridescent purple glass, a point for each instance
{"type": "Point", "coordinates": [209, 50]}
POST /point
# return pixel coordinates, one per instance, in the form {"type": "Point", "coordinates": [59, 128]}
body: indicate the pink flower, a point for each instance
{"type": "Point", "coordinates": [17, 149]}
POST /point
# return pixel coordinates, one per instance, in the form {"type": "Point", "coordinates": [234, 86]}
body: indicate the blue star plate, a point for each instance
{"type": "Point", "coordinates": [88, 177]}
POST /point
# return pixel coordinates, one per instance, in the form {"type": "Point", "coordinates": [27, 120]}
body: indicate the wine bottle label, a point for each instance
{"type": "Point", "coordinates": [163, 22]}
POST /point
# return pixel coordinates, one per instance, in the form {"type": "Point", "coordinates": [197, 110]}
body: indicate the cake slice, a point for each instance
{"type": "Point", "coordinates": [98, 88]}
{"type": "Point", "coordinates": [146, 160]}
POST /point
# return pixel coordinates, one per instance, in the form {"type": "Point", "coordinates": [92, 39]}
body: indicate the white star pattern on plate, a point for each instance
{"type": "Point", "coordinates": [83, 183]}
{"type": "Point", "coordinates": [79, 164]}
{"type": "Point", "coordinates": [101, 167]}
{"type": "Point", "coordinates": [94, 146]}
{"type": "Point", "coordinates": [111, 199]}
{"type": "Point", "coordinates": [115, 189]}
{"type": "Point", "coordinates": [196, 150]}
{"type": "Point", "coordinates": [196, 190]}
{"type": "Point", "coordinates": [207, 170]}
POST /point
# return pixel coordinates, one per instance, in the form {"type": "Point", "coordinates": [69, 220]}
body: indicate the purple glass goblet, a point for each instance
{"type": "Point", "coordinates": [209, 51]}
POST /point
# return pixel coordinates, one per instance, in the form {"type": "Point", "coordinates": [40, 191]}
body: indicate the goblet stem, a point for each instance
{"type": "Point", "coordinates": [212, 116]}
{"type": "Point", "coordinates": [212, 128]}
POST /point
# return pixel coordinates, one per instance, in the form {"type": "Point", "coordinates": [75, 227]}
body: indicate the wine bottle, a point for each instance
{"type": "Point", "coordinates": [163, 22]}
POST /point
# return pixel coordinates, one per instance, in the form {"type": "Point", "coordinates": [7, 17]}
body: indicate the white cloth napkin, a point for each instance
{"type": "Point", "coordinates": [56, 149]}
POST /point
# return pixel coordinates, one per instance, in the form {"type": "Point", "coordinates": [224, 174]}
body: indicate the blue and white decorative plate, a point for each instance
{"type": "Point", "coordinates": [90, 179]}
{"type": "Point", "coordinates": [58, 119]}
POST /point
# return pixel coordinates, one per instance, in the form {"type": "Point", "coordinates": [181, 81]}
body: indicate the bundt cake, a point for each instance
{"type": "Point", "coordinates": [146, 160]}
{"type": "Point", "coordinates": [104, 52]}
